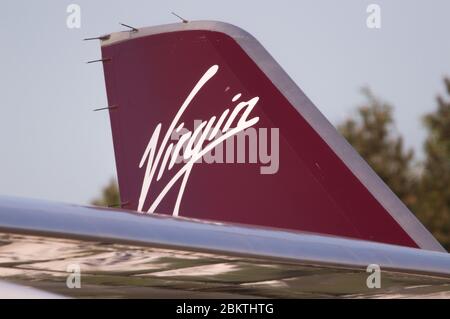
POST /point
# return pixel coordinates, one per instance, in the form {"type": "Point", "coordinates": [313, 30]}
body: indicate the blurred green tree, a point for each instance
{"type": "Point", "coordinates": [433, 206]}
{"type": "Point", "coordinates": [109, 197]}
{"type": "Point", "coordinates": [372, 133]}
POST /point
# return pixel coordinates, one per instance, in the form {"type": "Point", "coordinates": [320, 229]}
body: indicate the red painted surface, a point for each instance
{"type": "Point", "coordinates": [150, 77]}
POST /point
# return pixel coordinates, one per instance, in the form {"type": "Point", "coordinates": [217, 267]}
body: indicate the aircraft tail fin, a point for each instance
{"type": "Point", "coordinates": [207, 125]}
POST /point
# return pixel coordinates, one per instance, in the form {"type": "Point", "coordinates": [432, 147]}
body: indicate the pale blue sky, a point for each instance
{"type": "Point", "coordinates": [54, 147]}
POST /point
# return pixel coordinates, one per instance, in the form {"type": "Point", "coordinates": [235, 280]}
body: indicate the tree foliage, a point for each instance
{"type": "Point", "coordinates": [433, 207]}
{"type": "Point", "coordinates": [109, 196]}
{"type": "Point", "coordinates": [372, 134]}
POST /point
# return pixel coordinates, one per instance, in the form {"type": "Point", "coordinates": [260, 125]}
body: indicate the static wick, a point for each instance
{"type": "Point", "coordinates": [103, 37]}
{"type": "Point", "coordinates": [106, 108]}
{"type": "Point", "coordinates": [99, 60]}
{"type": "Point", "coordinates": [129, 26]}
{"type": "Point", "coordinates": [181, 18]}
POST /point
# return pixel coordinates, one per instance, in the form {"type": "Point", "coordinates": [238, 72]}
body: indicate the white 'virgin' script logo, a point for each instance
{"type": "Point", "coordinates": [191, 145]}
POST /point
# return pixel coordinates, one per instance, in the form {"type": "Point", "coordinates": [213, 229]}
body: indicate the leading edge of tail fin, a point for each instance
{"type": "Point", "coordinates": [207, 125]}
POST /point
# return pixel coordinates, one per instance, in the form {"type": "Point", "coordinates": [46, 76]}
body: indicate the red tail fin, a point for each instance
{"type": "Point", "coordinates": [207, 125]}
